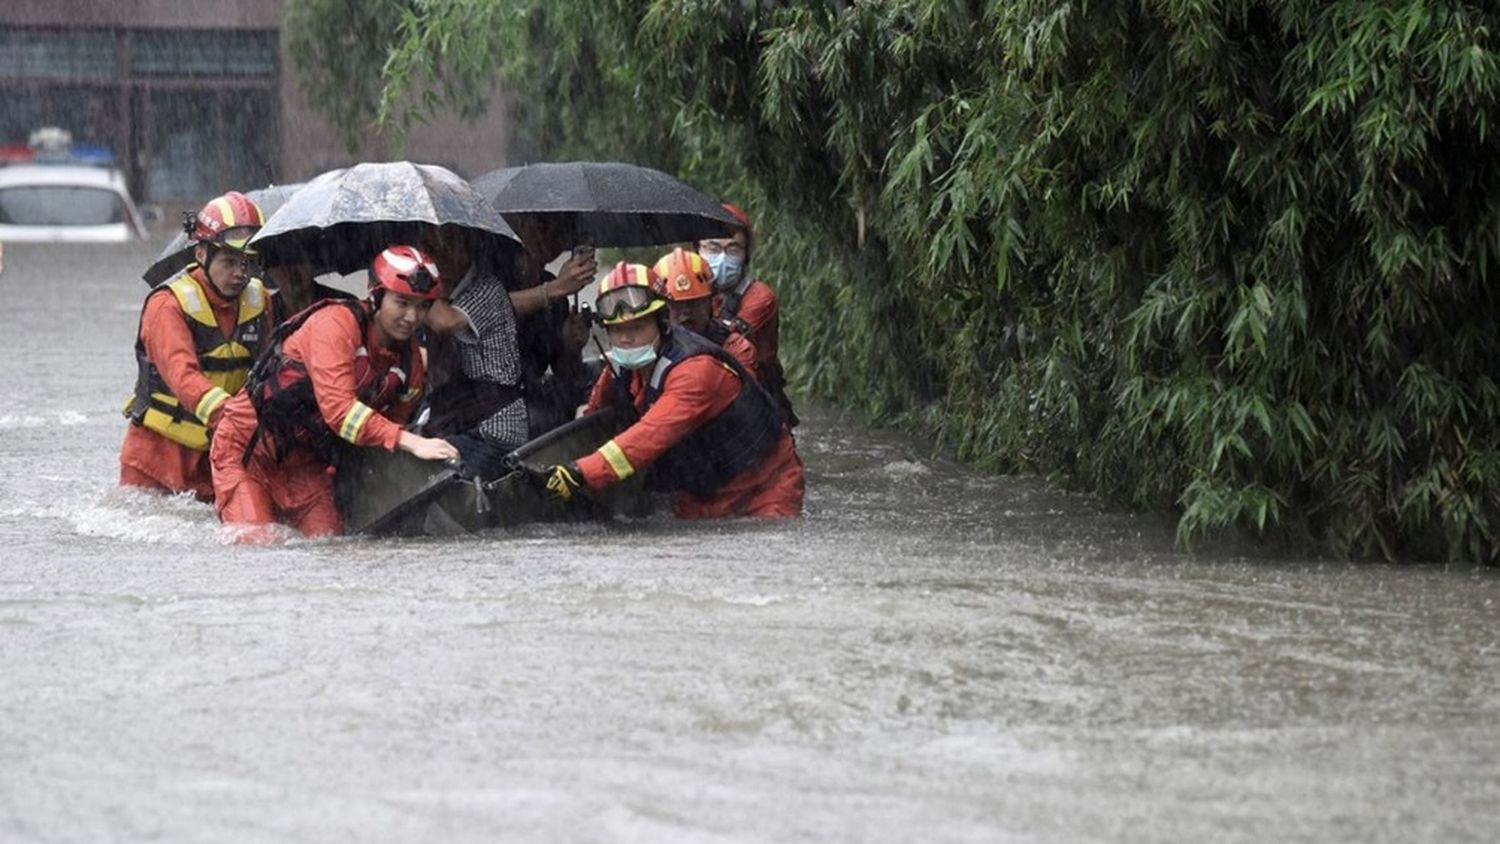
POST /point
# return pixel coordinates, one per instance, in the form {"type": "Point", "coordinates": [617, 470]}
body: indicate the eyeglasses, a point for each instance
{"type": "Point", "coordinates": [733, 249]}
{"type": "Point", "coordinates": [624, 302]}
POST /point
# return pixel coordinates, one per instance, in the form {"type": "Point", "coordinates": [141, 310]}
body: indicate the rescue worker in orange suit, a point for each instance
{"type": "Point", "coordinates": [705, 427]}
{"type": "Point", "coordinates": [198, 337]}
{"type": "Point", "coordinates": [343, 371]}
{"type": "Point", "coordinates": [748, 305]}
{"type": "Point", "coordinates": [686, 282]}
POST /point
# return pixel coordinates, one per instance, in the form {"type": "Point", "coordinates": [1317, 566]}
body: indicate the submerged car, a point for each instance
{"type": "Point", "coordinates": [66, 203]}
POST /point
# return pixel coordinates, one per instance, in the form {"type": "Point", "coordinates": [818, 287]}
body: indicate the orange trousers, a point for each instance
{"type": "Point", "coordinates": [150, 461]}
{"type": "Point", "coordinates": [297, 491]}
{"type": "Point", "coordinates": [772, 490]}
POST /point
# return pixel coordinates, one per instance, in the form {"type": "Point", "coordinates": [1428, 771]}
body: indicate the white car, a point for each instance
{"type": "Point", "coordinates": [67, 203]}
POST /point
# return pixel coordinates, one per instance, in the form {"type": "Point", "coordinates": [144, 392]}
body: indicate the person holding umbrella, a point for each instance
{"type": "Point", "coordinates": [557, 205]}
{"type": "Point", "coordinates": [551, 334]}
{"type": "Point", "coordinates": [198, 336]}
{"type": "Point", "coordinates": [707, 430]}
{"type": "Point", "coordinates": [748, 304]}
{"type": "Point", "coordinates": [339, 373]}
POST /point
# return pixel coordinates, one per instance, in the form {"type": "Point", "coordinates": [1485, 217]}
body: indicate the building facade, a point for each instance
{"type": "Point", "coordinates": [193, 97]}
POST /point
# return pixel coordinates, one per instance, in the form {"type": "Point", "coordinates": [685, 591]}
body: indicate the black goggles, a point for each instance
{"type": "Point", "coordinates": [420, 280]}
{"type": "Point", "coordinates": [622, 303]}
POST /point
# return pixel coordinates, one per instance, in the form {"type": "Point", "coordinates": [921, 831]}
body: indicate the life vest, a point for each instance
{"type": "Point", "coordinates": [224, 362]}
{"type": "Point", "coordinates": [733, 442]}
{"type": "Point", "coordinates": [727, 307]}
{"type": "Point", "coordinates": [286, 408]}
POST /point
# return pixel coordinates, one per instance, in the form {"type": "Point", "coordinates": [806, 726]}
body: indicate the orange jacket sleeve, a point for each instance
{"type": "Point", "coordinates": [695, 391]}
{"type": "Point", "coordinates": [599, 396]}
{"type": "Point", "coordinates": [329, 341]}
{"type": "Point", "coordinates": [759, 310]}
{"type": "Point", "coordinates": [169, 345]}
{"type": "Point", "coordinates": [743, 351]}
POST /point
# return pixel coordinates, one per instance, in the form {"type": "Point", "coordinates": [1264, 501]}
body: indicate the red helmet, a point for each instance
{"type": "Point", "coordinates": [630, 291]}
{"type": "Point", "coordinates": [684, 276]}
{"type": "Point", "coordinates": [738, 214]}
{"type": "Point", "coordinates": [229, 220]}
{"type": "Point", "coordinates": [406, 270]}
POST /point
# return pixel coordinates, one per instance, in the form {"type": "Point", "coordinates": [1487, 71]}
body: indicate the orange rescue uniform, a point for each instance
{"type": "Point", "coordinates": [298, 490]}
{"type": "Point", "coordinates": [148, 459]}
{"type": "Point", "coordinates": [759, 310]}
{"type": "Point", "coordinates": [695, 391]}
{"type": "Point", "coordinates": [743, 351]}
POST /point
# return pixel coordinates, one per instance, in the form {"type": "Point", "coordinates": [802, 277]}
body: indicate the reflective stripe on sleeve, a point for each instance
{"type": "Point", "coordinates": [209, 403]}
{"type": "Point", "coordinates": [354, 422]}
{"type": "Point", "coordinates": [616, 460]}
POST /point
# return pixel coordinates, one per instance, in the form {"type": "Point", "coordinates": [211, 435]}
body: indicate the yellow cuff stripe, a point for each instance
{"type": "Point", "coordinates": [354, 422]}
{"type": "Point", "coordinates": [616, 460]}
{"type": "Point", "coordinates": [209, 403]}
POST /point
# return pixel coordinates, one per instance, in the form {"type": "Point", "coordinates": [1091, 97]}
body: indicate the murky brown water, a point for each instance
{"type": "Point", "coordinates": [930, 655]}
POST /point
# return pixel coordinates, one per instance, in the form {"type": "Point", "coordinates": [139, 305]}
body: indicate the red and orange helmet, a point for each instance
{"type": "Point", "coordinates": [630, 291]}
{"type": "Point", "coordinates": [406, 270]}
{"type": "Point", "coordinates": [229, 220]}
{"type": "Point", "coordinates": [736, 212]}
{"type": "Point", "coordinates": [684, 276]}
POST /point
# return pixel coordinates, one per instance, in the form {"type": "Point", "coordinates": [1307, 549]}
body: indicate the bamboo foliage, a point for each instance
{"type": "Point", "coordinates": [1231, 257]}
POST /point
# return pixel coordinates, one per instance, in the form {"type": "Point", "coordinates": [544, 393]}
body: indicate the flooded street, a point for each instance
{"type": "Point", "coordinates": [930, 655]}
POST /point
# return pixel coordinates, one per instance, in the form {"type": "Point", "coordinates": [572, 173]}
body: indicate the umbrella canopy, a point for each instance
{"type": "Point", "coordinates": [608, 203]}
{"type": "Point", "coordinates": [179, 252]}
{"type": "Point", "coordinates": [343, 218]}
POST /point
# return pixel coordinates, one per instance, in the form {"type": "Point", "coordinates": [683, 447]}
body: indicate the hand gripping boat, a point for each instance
{"type": "Point", "coordinates": [394, 494]}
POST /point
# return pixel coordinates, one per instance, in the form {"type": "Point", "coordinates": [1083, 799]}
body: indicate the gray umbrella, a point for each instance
{"type": "Point", "coordinates": [343, 218]}
{"type": "Point", "coordinates": [179, 252]}
{"type": "Point", "coordinates": [608, 203]}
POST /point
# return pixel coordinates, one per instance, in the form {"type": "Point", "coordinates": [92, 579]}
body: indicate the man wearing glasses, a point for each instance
{"type": "Point", "coordinates": [702, 424]}
{"type": "Point", "coordinates": [199, 334]}
{"type": "Point", "coordinates": [748, 305]}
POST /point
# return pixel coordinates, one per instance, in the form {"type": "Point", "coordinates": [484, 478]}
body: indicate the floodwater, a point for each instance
{"type": "Point", "coordinates": [930, 655]}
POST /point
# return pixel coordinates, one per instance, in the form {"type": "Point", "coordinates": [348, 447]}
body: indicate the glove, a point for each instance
{"type": "Point", "coordinates": [562, 480]}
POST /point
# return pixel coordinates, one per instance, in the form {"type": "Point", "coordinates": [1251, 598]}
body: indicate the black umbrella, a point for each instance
{"type": "Point", "coordinates": [608, 203]}
{"type": "Point", "coordinates": [179, 252]}
{"type": "Point", "coordinates": [343, 218]}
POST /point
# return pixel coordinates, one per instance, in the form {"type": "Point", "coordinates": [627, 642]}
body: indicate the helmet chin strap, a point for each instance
{"type": "Point", "coordinates": [210, 251]}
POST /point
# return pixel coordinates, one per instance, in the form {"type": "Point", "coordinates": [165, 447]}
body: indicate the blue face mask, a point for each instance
{"type": "Point", "coordinates": [638, 357]}
{"type": "Point", "coordinates": [727, 271]}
